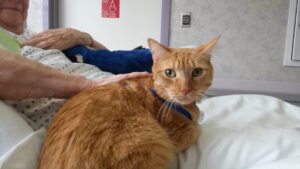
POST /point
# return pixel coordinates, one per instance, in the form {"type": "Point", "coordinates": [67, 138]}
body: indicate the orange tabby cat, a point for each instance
{"type": "Point", "coordinates": [133, 124]}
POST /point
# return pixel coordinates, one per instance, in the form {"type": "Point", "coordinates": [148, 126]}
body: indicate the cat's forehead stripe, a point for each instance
{"type": "Point", "coordinates": [183, 51]}
{"type": "Point", "coordinates": [183, 59]}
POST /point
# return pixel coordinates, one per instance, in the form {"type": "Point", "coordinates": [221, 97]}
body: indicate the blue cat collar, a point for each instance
{"type": "Point", "coordinates": [173, 105]}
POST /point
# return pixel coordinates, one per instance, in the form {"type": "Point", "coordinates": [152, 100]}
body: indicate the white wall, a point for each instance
{"type": "Point", "coordinates": [139, 20]}
{"type": "Point", "coordinates": [253, 36]}
{"type": "Point", "coordinates": [35, 16]}
{"type": "Point", "coordinates": [249, 56]}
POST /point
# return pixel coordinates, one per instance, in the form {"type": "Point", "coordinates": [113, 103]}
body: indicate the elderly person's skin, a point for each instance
{"type": "Point", "coordinates": [23, 78]}
{"type": "Point", "coordinates": [62, 38]}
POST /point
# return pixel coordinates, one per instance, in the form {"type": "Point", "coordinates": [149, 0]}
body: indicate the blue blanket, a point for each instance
{"type": "Point", "coordinates": [116, 62]}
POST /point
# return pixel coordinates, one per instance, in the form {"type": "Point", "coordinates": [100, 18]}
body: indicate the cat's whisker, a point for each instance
{"type": "Point", "coordinates": [202, 97]}
{"type": "Point", "coordinates": [172, 103]}
{"type": "Point", "coordinates": [157, 116]}
{"type": "Point", "coordinates": [162, 110]}
{"type": "Point", "coordinates": [198, 96]}
{"type": "Point", "coordinates": [198, 99]}
{"type": "Point", "coordinates": [168, 113]}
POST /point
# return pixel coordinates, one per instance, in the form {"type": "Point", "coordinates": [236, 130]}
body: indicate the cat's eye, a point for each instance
{"type": "Point", "coordinates": [197, 72]}
{"type": "Point", "coordinates": [170, 73]}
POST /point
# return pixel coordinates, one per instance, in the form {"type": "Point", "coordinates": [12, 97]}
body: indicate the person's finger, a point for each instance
{"type": "Point", "coordinates": [137, 74]}
{"type": "Point", "coordinates": [52, 47]}
{"type": "Point", "coordinates": [112, 79]}
{"type": "Point", "coordinates": [47, 34]}
{"type": "Point", "coordinates": [33, 41]}
{"type": "Point", "coordinates": [43, 45]}
{"type": "Point", "coordinates": [52, 43]}
{"type": "Point", "coordinates": [57, 46]}
{"type": "Point", "coordinates": [39, 35]}
{"type": "Point", "coordinates": [60, 46]}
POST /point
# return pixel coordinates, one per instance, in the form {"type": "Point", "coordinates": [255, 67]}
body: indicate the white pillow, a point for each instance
{"type": "Point", "coordinates": [24, 154]}
{"type": "Point", "coordinates": [246, 132]}
{"type": "Point", "coordinates": [13, 128]}
{"type": "Point", "coordinates": [19, 144]}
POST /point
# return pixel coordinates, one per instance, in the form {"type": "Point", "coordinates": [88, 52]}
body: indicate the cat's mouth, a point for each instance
{"type": "Point", "coordinates": [186, 100]}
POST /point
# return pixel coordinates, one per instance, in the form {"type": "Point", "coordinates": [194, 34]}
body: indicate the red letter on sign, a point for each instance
{"type": "Point", "coordinates": [110, 8]}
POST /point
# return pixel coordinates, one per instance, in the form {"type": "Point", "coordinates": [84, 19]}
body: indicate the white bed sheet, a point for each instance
{"type": "Point", "coordinates": [246, 132]}
{"type": "Point", "coordinates": [238, 132]}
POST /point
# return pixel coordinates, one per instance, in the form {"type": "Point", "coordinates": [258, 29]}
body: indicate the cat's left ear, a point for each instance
{"type": "Point", "coordinates": [207, 48]}
{"type": "Point", "coordinates": [158, 50]}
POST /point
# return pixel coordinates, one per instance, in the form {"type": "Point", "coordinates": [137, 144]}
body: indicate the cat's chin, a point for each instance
{"type": "Point", "coordinates": [184, 101]}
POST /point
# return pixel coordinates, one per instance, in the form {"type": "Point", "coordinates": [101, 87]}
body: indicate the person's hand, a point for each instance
{"type": "Point", "coordinates": [121, 77]}
{"type": "Point", "coordinates": [61, 38]}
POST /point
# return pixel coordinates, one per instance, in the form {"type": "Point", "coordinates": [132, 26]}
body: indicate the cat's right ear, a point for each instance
{"type": "Point", "coordinates": [206, 49]}
{"type": "Point", "coordinates": [158, 50]}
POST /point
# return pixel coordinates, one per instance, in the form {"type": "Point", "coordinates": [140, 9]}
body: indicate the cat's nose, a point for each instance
{"type": "Point", "coordinates": [185, 91]}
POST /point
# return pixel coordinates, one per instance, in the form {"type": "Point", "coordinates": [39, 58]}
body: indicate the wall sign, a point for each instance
{"type": "Point", "coordinates": [110, 8]}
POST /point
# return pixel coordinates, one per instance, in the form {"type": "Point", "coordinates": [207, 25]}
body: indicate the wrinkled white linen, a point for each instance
{"type": "Point", "coordinates": [238, 132]}
{"type": "Point", "coordinates": [246, 132]}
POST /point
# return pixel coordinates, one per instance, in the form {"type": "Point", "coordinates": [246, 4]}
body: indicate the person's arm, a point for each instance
{"type": "Point", "coordinates": [63, 38]}
{"type": "Point", "coordinates": [23, 78]}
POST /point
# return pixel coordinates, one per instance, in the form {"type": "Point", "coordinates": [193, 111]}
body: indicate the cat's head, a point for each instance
{"type": "Point", "coordinates": [182, 74]}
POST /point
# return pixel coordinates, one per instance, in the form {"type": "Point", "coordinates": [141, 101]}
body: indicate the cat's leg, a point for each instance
{"type": "Point", "coordinates": [184, 136]}
{"type": "Point", "coordinates": [141, 143]}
